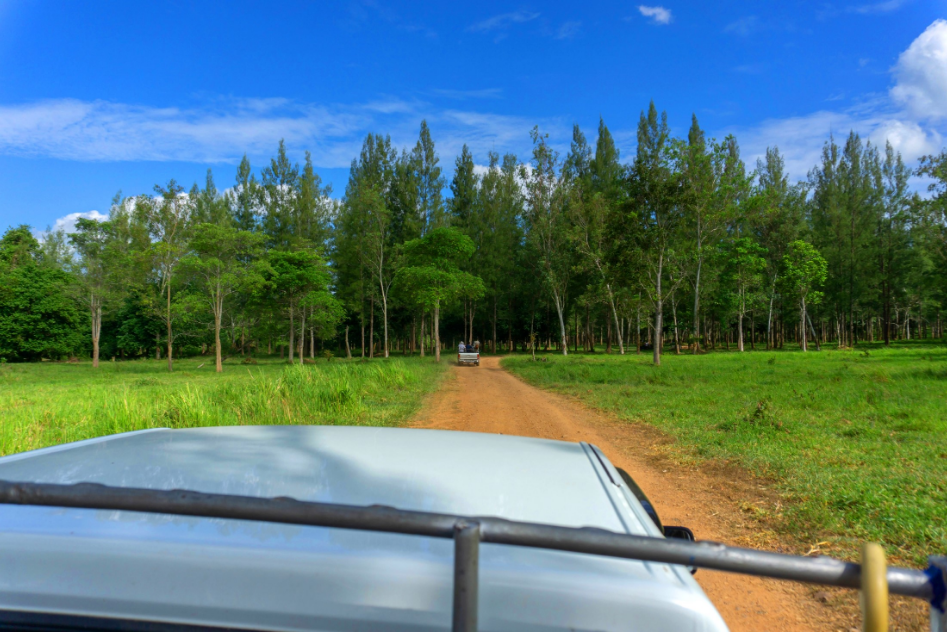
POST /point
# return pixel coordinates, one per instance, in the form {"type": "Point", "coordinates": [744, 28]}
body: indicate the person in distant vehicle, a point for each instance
{"type": "Point", "coordinates": [476, 346]}
{"type": "Point", "coordinates": [462, 348]}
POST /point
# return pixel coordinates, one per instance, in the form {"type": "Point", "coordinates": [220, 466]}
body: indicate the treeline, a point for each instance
{"type": "Point", "coordinates": [683, 246]}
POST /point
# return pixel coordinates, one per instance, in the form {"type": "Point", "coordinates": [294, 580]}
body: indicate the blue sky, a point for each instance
{"type": "Point", "coordinates": [107, 96]}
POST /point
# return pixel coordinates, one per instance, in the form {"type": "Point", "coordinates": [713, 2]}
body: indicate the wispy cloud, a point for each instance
{"type": "Point", "coordinates": [503, 21]}
{"type": "Point", "coordinates": [223, 130]}
{"type": "Point", "coordinates": [462, 95]}
{"type": "Point", "coordinates": [878, 7]}
{"type": "Point", "coordinates": [744, 26]}
{"type": "Point", "coordinates": [568, 30]}
{"type": "Point", "coordinates": [749, 69]}
{"type": "Point", "coordinates": [365, 11]}
{"type": "Point", "coordinates": [658, 15]}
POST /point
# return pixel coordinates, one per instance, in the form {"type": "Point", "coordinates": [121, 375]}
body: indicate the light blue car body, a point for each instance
{"type": "Point", "coordinates": [266, 576]}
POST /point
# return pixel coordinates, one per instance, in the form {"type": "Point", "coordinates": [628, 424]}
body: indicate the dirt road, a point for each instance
{"type": "Point", "coordinates": [704, 502]}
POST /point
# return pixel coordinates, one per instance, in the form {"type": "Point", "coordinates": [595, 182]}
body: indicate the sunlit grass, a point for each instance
{"type": "Point", "coordinates": [48, 403]}
{"type": "Point", "coordinates": [857, 442]}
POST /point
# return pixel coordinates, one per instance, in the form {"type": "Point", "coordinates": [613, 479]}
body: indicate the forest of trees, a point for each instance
{"type": "Point", "coordinates": [681, 249]}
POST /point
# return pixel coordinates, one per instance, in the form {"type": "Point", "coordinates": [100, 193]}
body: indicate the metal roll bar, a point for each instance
{"type": "Point", "coordinates": [468, 532]}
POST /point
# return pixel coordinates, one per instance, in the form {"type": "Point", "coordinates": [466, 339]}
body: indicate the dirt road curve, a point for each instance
{"type": "Point", "coordinates": [506, 405]}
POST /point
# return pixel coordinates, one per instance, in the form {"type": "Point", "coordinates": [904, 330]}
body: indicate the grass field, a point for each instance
{"type": "Point", "coordinates": [856, 442]}
{"type": "Point", "coordinates": [50, 403]}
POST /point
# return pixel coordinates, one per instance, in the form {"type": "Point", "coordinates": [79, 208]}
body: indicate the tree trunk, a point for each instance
{"type": "Point", "coordinates": [818, 345]}
{"type": "Point", "coordinates": [218, 316]}
{"type": "Point", "coordinates": [700, 261]}
{"type": "Point", "coordinates": [371, 331]}
{"type": "Point", "coordinates": [437, 332]}
{"type": "Point", "coordinates": [96, 332]}
{"type": "Point", "coordinates": [422, 333]}
{"type": "Point", "coordinates": [611, 302]}
{"type": "Point", "coordinates": [562, 326]}
{"type": "Point", "coordinates": [292, 332]}
{"type": "Point", "coordinates": [638, 330]}
{"type": "Point", "coordinates": [302, 336]}
{"type": "Point", "coordinates": [740, 333]}
{"type": "Point", "coordinates": [348, 350]}
{"type": "Point", "coordinates": [608, 335]}
{"type": "Point", "coordinates": [677, 340]}
{"type": "Point", "coordinates": [753, 331]}
{"type": "Point", "coordinates": [803, 314]}
{"type": "Point", "coordinates": [170, 358]}
{"type": "Point", "coordinates": [658, 314]}
{"type": "Point", "coordinates": [493, 343]}
{"type": "Point", "coordinates": [532, 335]}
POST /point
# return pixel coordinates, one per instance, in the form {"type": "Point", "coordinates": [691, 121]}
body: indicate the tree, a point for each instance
{"type": "Point", "coordinates": [744, 264]}
{"type": "Point", "coordinates": [464, 188]}
{"type": "Point", "coordinates": [776, 211]}
{"type": "Point", "coordinates": [292, 277]}
{"type": "Point", "coordinates": [245, 197]}
{"type": "Point", "coordinates": [804, 272]}
{"type": "Point", "coordinates": [714, 178]}
{"type": "Point", "coordinates": [656, 214]}
{"type": "Point", "coordinates": [429, 180]}
{"type": "Point", "coordinates": [592, 204]}
{"type": "Point", "coordinates": [38, 317]}
{"type": "Point", "coordinates": [280, 181]}
{"type": "Point", "coordinates": [223, 260]}
{"type": "Point", "coordinates": [432, 276]}
{"type": "Point", "coordinates": [168, 220]}
{"type": "Point", "coordinates": [380, 256]}
{"type": "Point", "coordinates": [547, 222]}
{"type": "Point", "coordinates": [893, 236]}
{"type": "Point", "coordinates": [91, 242]}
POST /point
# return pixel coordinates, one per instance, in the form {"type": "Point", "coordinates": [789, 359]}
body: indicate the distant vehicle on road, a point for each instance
{"type": "Point", "coordinates": [469, 357]}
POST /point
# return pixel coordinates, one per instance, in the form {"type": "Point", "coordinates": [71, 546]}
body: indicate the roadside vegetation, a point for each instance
{"type": "Point", "coordinates": [854, 440]}
{"type": "Point", "coordinates": [43, 404]}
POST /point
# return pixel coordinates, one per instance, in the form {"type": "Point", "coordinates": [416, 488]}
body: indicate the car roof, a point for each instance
{"type": "Point", "coordinates": [350, 578]}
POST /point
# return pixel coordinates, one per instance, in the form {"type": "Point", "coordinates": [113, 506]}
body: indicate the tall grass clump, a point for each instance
{"type": "Point", "coordinates": [854, 440]}
{"type": "Point", "coordinates": [47, 404]}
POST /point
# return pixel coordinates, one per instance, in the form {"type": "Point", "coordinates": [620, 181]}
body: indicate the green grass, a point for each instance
{"type": "Point", "coordinates": [856, 442]}
{"type": "Point", "coordinates": [50, 403]}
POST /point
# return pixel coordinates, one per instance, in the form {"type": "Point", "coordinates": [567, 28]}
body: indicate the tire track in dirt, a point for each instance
{"type": "Point", "coordinates": [490, 399]}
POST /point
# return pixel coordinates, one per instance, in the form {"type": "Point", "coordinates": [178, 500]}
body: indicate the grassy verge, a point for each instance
{"type": "Point", "coordinates": [856, 441]}
{"type": "Point", "coordinates": [46, 404]}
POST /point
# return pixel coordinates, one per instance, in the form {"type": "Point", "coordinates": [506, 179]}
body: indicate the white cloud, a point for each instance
{"type": "Point", "coordinates": [800, 139]}
{"type": "Point", "coordinates": [659, 15]}
{"type": "Point", "coordinates": [503, 21]}
{"type": "Point", "coordinates": [921, 74]}
{"type": "Point", "coordinates": [67, 223]}
{"type": "Point", "coordinates": [907, 118]}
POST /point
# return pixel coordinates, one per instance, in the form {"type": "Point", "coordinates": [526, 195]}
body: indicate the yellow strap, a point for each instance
{"type": "Point", "coordinates": [874, 592]}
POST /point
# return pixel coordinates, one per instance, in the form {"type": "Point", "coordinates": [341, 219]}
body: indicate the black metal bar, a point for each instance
{"type": "Point", "coordinates": [466, 575]}
{"type": "Point", "coordinates": [819, 570]}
